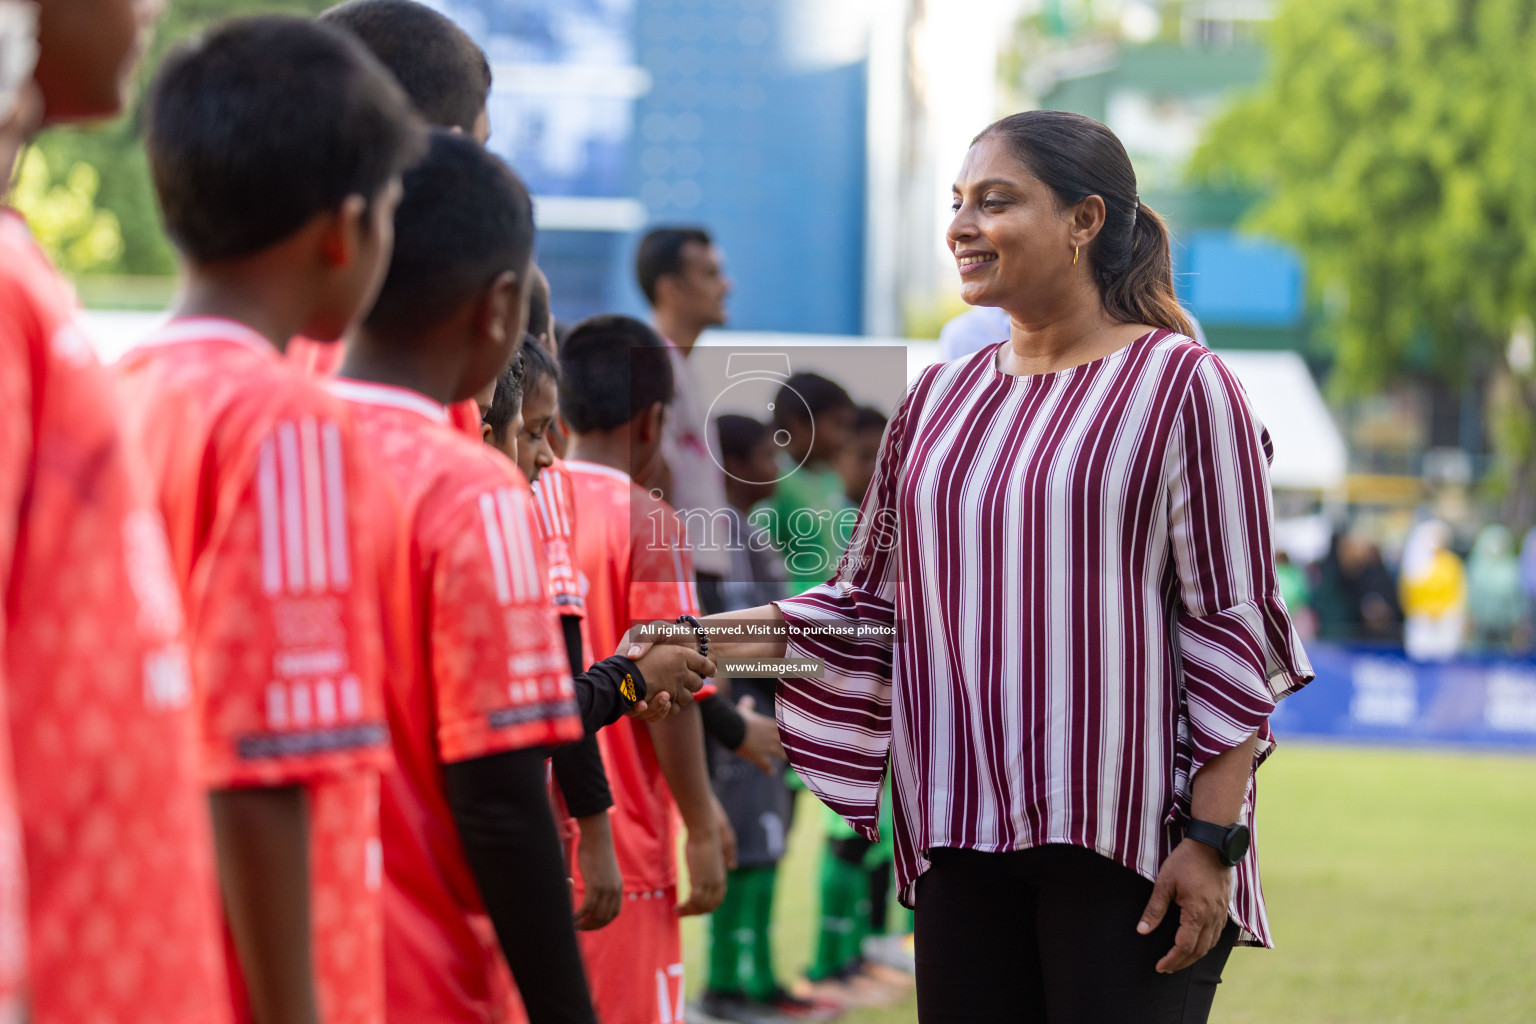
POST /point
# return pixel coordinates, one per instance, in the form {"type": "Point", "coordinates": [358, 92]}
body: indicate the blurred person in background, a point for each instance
{"type": "Point", "coordinates": [1495, 598]}
{"type": "Point", "coordinates": [1296, 591]}
{"type": "Point", "coordinates": [814, 416]}
{"type": "Point", "coordinates": [742, 984]}
{"type": "Point", "coordinates": [855, 463]}
{"type": "Point", "coordinates": [541, 326]}
{"type": "Point", "coordinates": [681, 272]}
{"type": "Point", "coordinates": [872, 945]}
{"type": "Point", "coordinates": [1433, 586]}
{"type": "Point", "coordinates": [682, 275]}
{"type": "Point", "coordinates": [1356, 596]}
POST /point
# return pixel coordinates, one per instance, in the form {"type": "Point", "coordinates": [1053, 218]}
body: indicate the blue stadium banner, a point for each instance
{"type": "Point", "coordinates": [1377, 694]}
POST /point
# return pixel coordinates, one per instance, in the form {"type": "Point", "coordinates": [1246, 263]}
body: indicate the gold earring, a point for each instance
{"type": "Point", "coordinates": [1074, 255]}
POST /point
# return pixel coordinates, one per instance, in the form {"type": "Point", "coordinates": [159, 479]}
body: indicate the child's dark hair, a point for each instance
{"type": "Point", "coordinates": [464, 218]}
{"type": "Point", "coordinates": [265, 123]}
{"type": "Point", "coordinates": [440, 68]}
{"type": "Point", "coordinates": [868, 418]}
{"type": "Point", "coordinates": [819, 395]}
{"type": "Point", "coordinates": [739, 435]}
{"type": "Point", "coordinates": [507, 399]}
{"type": "Point", "coordinates": [612, 368]}
{"type": "Point", "coordinates": [538, 364]}
{"type": "Point", "coordinates": [539, 315]}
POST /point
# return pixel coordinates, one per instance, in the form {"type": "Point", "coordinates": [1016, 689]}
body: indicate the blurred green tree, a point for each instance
{"type": "Point", "coordinates": [113, 154]}
{"type": "Point", "coordinates": [1394, 145]}
{"type": "Point", "coordinates": [67, 223]}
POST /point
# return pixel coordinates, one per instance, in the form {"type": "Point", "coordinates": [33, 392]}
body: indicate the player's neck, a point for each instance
{"type": "Point", "coordinates": [682, 333]}
{"type": "Point", "coordinates": [231, 293]}
{"type": "Point", "coordinates": [421, 370]}
{"type": "Point", "coordinates": [611, 449]}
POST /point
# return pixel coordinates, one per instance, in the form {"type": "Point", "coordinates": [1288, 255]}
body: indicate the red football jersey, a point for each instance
{"type": "Point", "coordinates": [478, 667]}
{"type": "Point", "coordinates": [315, 358]}
{"type": "Point", "coordinates": [556, 504]}
{"type": "Point", "coordinates": [122, 901]}
{"type": "Point", "coordinates": [256, 475]}
{"type": "Point", "coordinates": [630, 549]}
{"type": "Point", "coordinates": [13, 888]}
{"type": "Point", "coordinates": [324, 359]}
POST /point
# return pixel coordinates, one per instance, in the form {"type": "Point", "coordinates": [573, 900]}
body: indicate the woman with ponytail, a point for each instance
{"type": "Point", "coordinates": [1059, 621]}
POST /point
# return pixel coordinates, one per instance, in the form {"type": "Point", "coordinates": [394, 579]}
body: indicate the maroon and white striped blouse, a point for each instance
{"type": "Point", "coordinates": [1081, 577]}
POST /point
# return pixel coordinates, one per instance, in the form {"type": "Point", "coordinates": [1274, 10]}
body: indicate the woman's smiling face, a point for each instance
{"type": "Point", "coordinates": [1011, 237]}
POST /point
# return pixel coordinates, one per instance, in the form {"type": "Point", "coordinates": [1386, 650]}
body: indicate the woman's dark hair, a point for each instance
{"type": "Point", "coordinates": [1077, 157]}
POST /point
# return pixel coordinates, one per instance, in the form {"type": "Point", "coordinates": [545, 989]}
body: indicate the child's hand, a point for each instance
{"type": "Point", "coordinates": [761, 743]}
{"type": "Point", "coordinates": [600, 874]}
{"type": "Point", "coordinates": [706, 873]}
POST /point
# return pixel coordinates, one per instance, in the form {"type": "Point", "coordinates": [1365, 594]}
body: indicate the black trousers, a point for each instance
{"type": "Point", "coordinates": [1048, 935]}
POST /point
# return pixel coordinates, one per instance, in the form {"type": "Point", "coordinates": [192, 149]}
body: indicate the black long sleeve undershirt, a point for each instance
{"type": "Point", "coordinates": [597, 691]}
{"type": "Point", "coordinates": [579, 767]}
{"type": "Point", "coordinates": [723, 722]}
{"type": "Point", "coordinates": [501, 807]}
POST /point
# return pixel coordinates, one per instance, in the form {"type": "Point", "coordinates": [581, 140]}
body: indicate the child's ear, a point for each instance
{"type": "Point", "coordinates": [651, 422]}
{"type": "Point", "coordinates": [343, 232]}
{"type": "Point", "coordinates": [502, 302]}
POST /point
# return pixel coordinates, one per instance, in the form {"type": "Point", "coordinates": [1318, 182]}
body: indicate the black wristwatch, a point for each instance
{"type": "Point", "coordinates": [1229, 841]}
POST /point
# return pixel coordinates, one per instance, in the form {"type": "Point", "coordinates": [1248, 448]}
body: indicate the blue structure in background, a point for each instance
{"type": "Point", "coordinates": [684, 112]}
{"type": "Point", "coordinates": [1377, 695]}
{"type": "Point", "coordinates": [1227, 278]}
{"type": "Point", "coordinates": [768, 156]}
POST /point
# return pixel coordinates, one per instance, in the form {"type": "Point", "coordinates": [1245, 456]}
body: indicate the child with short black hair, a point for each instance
{"type": "Point", "coordinates": [437, 64]}
{"type": "Point", "coordinates": [447, 78]}
{"type": "Point", "coordinates": [616, 384]}
{"type": "Point", "coordinates": [501, 408]}
{"type": "Point", "coordinates": [540, 392]}
{"type": "Point", "coordinates": [483, 686]}
{"type": "Point", "coordinates": [276, 147]}
{"type": "Point", "coordinates": [518, 424]}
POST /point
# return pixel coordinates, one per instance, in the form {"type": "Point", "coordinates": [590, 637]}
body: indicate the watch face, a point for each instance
{"type": "Point", "coordinates": [1236, 845]}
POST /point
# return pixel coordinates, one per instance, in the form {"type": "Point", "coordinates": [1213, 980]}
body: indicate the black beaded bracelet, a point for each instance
{"type": "Point", "coordinates": [698, 630]}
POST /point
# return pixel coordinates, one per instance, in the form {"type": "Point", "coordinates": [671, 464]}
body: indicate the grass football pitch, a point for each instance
{"type": "Point", "coordinates": [1401, 889]}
